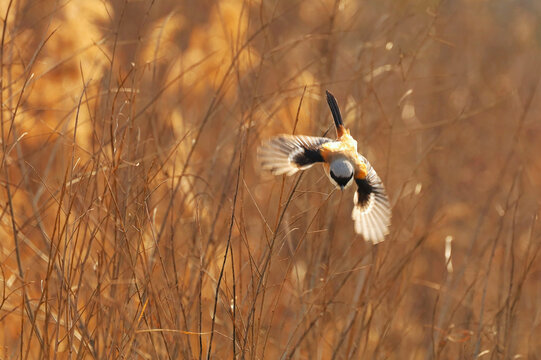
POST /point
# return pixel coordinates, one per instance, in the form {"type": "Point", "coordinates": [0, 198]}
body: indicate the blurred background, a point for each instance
{"type": "Point", "coordinates": [135, 221]}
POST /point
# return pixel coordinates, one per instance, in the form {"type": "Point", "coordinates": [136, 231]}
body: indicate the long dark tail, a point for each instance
{"type": "Point", "coordinates": [340, 130]}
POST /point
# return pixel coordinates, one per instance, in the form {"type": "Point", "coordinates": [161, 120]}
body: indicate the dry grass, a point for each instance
{"type": "Point", "coordinates": [135, 222]}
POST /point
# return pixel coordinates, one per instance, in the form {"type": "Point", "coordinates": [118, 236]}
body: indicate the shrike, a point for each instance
{"type": "Point", "coordinates": [287, 154]}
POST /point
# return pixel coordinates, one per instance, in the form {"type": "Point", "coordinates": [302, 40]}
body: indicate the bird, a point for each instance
{"type": "Point", "coordinates": [287, 154]}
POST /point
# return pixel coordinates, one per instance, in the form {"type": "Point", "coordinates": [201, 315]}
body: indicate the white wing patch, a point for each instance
{"type": "Point", "coordinates": [372, 215]}
{"type": "Point", "coordinates": [287, 154]}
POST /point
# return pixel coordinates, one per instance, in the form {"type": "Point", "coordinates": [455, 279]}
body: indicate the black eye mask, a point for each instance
{"type": "Point", "coordinates": [342, 181]}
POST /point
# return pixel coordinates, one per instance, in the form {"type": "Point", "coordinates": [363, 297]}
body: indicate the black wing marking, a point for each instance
{"type": "Point", "coordinates": [335, 110]}
{"type": "Point", "coordinates": [287, 154]}
{"type": "Point", "coordinates": [371, 211]}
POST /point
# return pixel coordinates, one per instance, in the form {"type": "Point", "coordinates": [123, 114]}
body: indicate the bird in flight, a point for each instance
{"type": "Point", "coordinates": [287, 154]}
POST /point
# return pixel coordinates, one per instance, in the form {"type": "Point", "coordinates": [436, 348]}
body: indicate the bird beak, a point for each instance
{"type": "Point", "coordinates": [341, 187]}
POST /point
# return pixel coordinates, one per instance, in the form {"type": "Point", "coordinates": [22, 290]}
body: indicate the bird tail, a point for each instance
{"type": "Point", "coordinates": [337, 117]}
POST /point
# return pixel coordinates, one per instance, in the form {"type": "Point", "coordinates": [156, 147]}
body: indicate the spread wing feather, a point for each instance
{"type": "Point", "coordinates": [371, 211]}
{"type": "Point", "coordinates": [287, 154]}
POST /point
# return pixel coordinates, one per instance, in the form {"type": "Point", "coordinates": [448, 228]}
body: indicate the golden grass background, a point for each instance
{"type": "Point", "coordinates": [135, 222]}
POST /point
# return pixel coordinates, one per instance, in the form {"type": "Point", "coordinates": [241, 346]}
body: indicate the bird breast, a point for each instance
{"type": "Point", "coordinates": [344, 149]}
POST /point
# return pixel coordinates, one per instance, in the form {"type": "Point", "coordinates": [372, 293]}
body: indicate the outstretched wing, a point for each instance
{"type": "Point", "coordinates": [287, 154]}
{"type": "Point", "coordinates": [371, 211]}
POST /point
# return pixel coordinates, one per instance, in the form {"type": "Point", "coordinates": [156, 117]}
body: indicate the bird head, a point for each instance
{"type": "Point", "coordinates": [341, 172]}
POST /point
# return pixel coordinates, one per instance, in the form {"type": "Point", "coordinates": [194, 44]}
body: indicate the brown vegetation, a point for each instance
{"type": "Point", "coordinates": [135, 222]}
